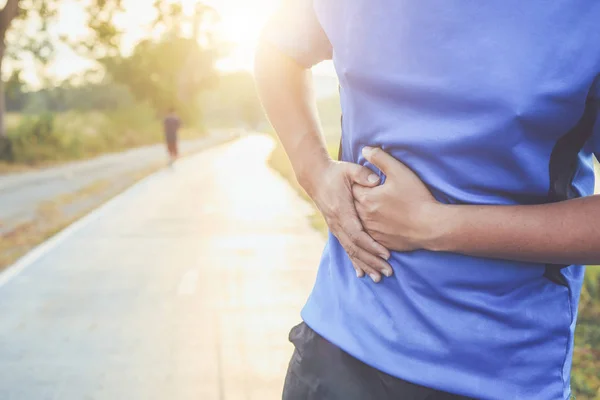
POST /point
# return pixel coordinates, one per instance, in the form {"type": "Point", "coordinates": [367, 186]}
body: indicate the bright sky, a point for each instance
{"type": "Point", "coordinates": [241, 23]}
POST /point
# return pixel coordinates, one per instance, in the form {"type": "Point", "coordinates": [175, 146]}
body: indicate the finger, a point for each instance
{"type": "Point", "coordinates": [361, 211]}
{"type": "Point", "coordinates": [364, 216]}
{"type": "Point", "coordinates": [365, 261]}
{"type": "Point", "coordinates": [359, 269]}
{"type": "Point", "coordinates": [357, 245]}
{"type": "Point", "coordinates": [374, 275]}
{"type": "Point", "coordinates": [360, 273]}
{"type": "Point", "coordinates": [353, 232]}
{"type": "Point", "coordinates": [353, 228]}
{"type": "Point", "coordinates": [382, 160]}
{"type": "Point", "coordinates": [363, 175]}
{"type": "Point", "coordinates": [377, 264]}
{"type": "Point", "coordinates": [346, 244]}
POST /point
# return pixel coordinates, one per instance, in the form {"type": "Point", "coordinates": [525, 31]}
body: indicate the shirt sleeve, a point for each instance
{"type": "Point", "coordinates": [295, 30]}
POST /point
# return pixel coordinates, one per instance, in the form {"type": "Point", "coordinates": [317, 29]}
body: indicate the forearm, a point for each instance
{"type": "Point", "coordinates": [560, 233]}
{"type": "Point", "coordinates": [285, 89]}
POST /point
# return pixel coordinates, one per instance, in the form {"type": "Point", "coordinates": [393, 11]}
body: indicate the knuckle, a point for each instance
{"type": "Point", "coordinates": [335, 230]}
{"type": "Point", "coordinates": [364, 198]}
{"type": "Point", "coordinates": [352, 251]}
{"type": "Point", "coordinates": [373, 208]}
{"type": "Point", "coordinates": [349, 171]}
{"type": "Point", "coordinates": [353, 237]}
{"type": "Point", "coordinates": [365, 222]}
{"type": "Point", "coordinates": [355, 227]}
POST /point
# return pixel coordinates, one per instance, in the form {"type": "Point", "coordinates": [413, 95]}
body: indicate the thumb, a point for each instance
{"type": "Point", "coordinates": [379, 158]}
{"type": "Point", "coordinates": [363, 176]}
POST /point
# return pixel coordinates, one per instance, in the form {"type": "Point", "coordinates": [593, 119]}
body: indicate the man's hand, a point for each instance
{"type": "Point", "coordinates": [331, 191]}
{"type": "Point", "coordinates": [400, 213]}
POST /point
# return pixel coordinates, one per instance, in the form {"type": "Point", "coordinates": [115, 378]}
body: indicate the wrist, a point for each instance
{"type": "Point", "coordinates": [311, 171]}
{"type": "Point", "coordinates": [439, 228]}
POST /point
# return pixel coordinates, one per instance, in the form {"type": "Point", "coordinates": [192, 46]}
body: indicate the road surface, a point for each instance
{"type": "Point", "coordinates": [184, 287]}
{"type": "Point", "coordinates": [22, 193]}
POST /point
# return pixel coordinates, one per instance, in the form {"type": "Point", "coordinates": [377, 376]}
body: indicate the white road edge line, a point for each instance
{"type": "Point", "coordinates": [39, 251]}
{"type": "Point", "coordinates": [187, 284]}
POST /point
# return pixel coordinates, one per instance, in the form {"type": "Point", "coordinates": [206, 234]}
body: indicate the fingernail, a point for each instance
{"type": "Point", "coordinates": [385, 256]}
{"type": "Point", "coordinates": [387, 272]}
{"type": "Point", "coordinates": [376, 278]}
{"type": "Point", "coordinates": [359, 273]}
{"type": "Point", "coordinates": [366, 151]}
{"type": "Point", "coordinates": [373, 178]}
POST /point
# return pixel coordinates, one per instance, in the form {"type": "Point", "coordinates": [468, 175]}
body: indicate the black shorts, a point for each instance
{"type": "Point", "coordinates": [319, 370]}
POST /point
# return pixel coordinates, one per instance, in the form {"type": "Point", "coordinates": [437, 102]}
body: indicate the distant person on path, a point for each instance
{"type": "Point", "coordinates": [171, 127]}
{"type": "Point", "coordinates": [463, 198]}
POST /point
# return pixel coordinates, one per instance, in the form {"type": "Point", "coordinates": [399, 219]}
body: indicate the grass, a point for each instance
{"type": "Point", "coordinates": [8, 168]}
{"type": "Point", "coordinates": [12, 120]}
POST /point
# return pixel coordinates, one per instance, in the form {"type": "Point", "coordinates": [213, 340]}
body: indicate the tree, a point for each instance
{"type": "Point", "coordinates": [159, 72]}
{"type": "Point", "coordinates": [7, 15]}
{"type": "Point", "coordinates": [18, 19]}
{"type": "Point", "coordinates": [173, 70]}
{"type": "Point", "coordinates": [17, 36]}
{"type": "Point", "coordinates": [24, 28]}
{"type": "Point", "coordinates": [16, 97]}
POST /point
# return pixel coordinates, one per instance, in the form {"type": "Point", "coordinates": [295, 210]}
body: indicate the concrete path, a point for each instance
{"type": "Point", "coordinates": [22, 193]}
{"type": "Point", "coordinates": [184, 287]}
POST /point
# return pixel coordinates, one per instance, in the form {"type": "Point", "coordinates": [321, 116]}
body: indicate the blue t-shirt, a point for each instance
{"type": "Point", "coordinates": [474, 97]}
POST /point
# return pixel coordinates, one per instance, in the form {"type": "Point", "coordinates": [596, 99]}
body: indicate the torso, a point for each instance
{"type": "Point", "coordinates": [473, 96]}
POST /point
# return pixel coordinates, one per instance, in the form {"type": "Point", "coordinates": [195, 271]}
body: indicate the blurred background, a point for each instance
{"type": "Point", "coordinates": [86, 85]}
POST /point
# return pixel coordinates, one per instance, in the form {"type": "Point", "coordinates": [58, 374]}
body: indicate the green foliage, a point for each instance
{"type": "Point", "coordinates": [167, 73]}
{"type": "Point", "coordinates": [233, 102]}
{"type": "Point", "coordinates": [173, 70]}
{"type": "Point", "coordinates": [590, 296]}
{"type": "Point", "coordinates": [585, 380]}
{"type": "Point", "coordinates": [33, 134]}
{"type": "Point", "coordinates": [44, 138]}
{"type": "Point", "coordinates": [29, 31]}
{"type": "Point", "coordinates": [101, 96]}
{"type": "Point", "coordinates": [104, 38]}
{"type": "Point", "coordinates": [123, 108]}
{"type": "Point", "coordinates": [15, 94]}
{"type": "Point", "coordinates": [586, 360]}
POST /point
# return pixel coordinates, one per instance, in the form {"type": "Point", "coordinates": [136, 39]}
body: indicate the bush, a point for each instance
{"type": "Point", "coordinates": [6, 150]}
{"type": "Point", "coordinates": [72, 135]}
{"type": "Point", "coordinates": [34, 139]}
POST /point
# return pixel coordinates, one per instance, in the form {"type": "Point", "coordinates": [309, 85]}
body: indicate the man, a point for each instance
{"type": "Point", "coordinates": [468, 132]}
{"type": "Point", "coordinates": [171, 126]}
